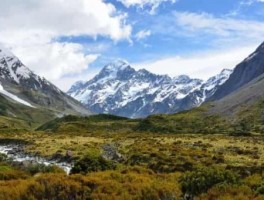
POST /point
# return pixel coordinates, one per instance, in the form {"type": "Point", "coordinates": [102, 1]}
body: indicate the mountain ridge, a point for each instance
{"type": "Point", "coordinates": [121, 90]}
{"type": "Point", "coordinates": [249, 69]}
{"type": "Point", "coordinates": [20, 85]}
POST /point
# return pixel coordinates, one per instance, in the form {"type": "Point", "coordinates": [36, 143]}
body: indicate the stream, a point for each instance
{"type": "Point", "coordinates": [15, 153]}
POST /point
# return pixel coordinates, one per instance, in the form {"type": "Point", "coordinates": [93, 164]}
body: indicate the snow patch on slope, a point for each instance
{"type": "Point", "coordinates": [14, 97]}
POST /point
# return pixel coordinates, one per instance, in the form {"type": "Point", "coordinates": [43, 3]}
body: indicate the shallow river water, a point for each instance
{"type": "Point", "coordinates": [17, 156]}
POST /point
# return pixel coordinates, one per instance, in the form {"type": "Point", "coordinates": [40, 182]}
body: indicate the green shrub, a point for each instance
{"type": "Point", "coordinates": [41, 168]}
{"type": "Point", "coordinates": [55, 187]}
{"type": "Point", "coordinates": [260, 188]}
{"type": "Point", "coordinates": [89, 164]}
{"type": "Point", "coordinates": [202, 179]}
{"type": "Point", "coordinates": [227, 192]}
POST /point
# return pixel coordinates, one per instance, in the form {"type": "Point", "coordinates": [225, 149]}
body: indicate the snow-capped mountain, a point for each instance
{"type": "Point", "coordinates": [20, 85]}
{"type": "Point", "coordinates": [121, 90]}
{"type": "Point", "coordinates": [14, 71]}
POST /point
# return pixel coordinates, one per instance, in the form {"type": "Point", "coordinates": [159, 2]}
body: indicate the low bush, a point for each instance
{"type": "Point", "coordinates": [202, 179]}
{"type": "Point", "coordinates": [90, 163]}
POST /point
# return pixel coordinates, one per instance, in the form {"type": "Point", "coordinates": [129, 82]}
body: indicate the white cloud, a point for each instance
{"type": "Point", "coordinates": [154, 4]}
{"type": "Point", "coordinates": [143, 34]}
{"type": "Point", "coordinates": [30, 29]}
{"type": "Point", "coordinates": [242, 5]}
{"type": "Point", "coordinates": [67, 81]}
{"type": "Point", "coordinates": [224, 27]}
{"type": "Point", "coordinates": [56, 60]}
{"type": "Point", "coordinates": [250, 2]}
{"type": "Point", "coordinates": [202, 65]}
{"type": "Point", "coordinates": [227, 41]}
{"type": "Point", "coordinates": [64, 17]}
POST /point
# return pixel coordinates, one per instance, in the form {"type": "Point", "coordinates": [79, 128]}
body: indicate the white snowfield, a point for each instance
{"type": "Point", "coordinates": [14, 97]}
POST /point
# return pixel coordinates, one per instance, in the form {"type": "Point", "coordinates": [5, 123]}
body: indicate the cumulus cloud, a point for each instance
{"type": "Point", "coordinates": [31, 30]}
{"type": "Point", "coordinates": [64, 17]}
{"type": "Point", "coordinates": [56, 59]}
{"type": "Point", "coordinates": [154, 4]}
{"type": "Point", "coordinates": [202, 65]}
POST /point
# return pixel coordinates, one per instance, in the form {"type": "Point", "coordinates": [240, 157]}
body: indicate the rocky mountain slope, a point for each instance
{"type": "Point", "coordinates": [23, 88]}
{"type": "Point", "coordinates": [121, 90]}
{"type": "Point", "coordinates": [249, 95]}
{"type": "Point", "coordinates": [243, 92]}
{"type": "Point", "coordinates": [246, 71]}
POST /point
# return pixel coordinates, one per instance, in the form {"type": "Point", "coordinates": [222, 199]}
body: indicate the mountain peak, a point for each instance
{"type": "Point", "coordinates": [11, 67]}
{"type": "Point", "coordinates": [119, 69]}
{"type": "Point", "coordinates": [181, 79]}
{"type": "Point", "coordinates": [219, 79]}
{"type": "Point", "coordinates": [116, 65]}
{"type": "Point", "coordinates": [4, 52]}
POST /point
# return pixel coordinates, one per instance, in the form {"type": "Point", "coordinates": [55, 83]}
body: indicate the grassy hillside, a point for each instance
{"type": "Point", "coordinates": [92, 124]}
{"type": "Point", "coordinates": [18, 116]}
{"type": "Point", "coordinates": [246, 119]}
{"type": "Point", "coordinates": [196, 121]}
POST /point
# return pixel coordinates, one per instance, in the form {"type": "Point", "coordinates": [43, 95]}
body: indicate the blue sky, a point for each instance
{"type": "Point", "coordinates": [194, 37]}
{"type": "Point", "coordinates": [168, 38]}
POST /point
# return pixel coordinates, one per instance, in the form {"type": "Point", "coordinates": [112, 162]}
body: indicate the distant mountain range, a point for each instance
{"type": "Point", "coordinates": [22, 92]}
{"type": "Point", "coordinates": [121, 90]}
{"type": "Point", "coordinates": [233, 102]}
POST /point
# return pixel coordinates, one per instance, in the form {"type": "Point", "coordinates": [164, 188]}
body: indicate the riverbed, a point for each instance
{"type": "Point", "coordinates": [15, 153]}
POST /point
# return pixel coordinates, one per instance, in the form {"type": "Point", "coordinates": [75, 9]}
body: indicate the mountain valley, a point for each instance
{"type": "Point", "coordinates": [209, 146]}
{"type": "Point", "coordinates": [131, 100]}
